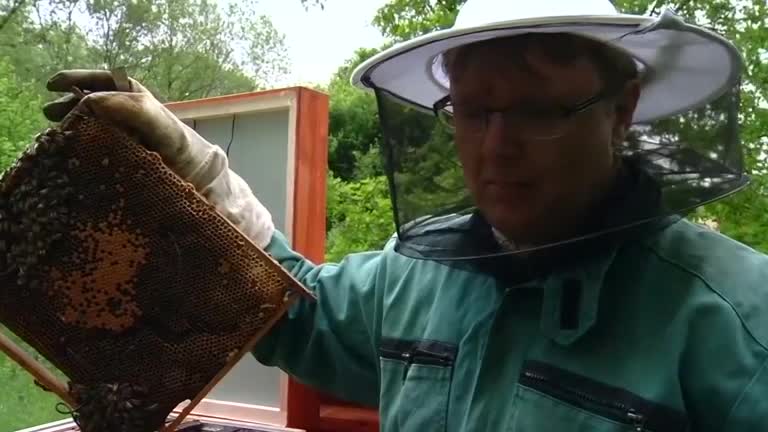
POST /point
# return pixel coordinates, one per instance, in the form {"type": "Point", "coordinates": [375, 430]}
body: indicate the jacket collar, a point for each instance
{"type": "Point", "coordinates": [572, 276]}
{"type": "Point", "coordinates": [571, 297]}
{"type": "Point", "coordinates": [571, 293]}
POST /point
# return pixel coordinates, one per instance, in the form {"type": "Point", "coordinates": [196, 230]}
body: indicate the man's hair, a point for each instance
{"type": "Point", "coordinates": [614, 66]}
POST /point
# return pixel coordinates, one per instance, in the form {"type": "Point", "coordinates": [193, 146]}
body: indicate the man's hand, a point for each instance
{"type": "Point", "coordinates": [125, 103]}
{"type": "Point", "coordinates": [85, 81]}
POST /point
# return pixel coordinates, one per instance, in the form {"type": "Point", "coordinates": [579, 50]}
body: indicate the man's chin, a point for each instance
{"type": "Point", "coordinates": [517, 225]}
{"type": "Point", "coordinates": [527, 228]}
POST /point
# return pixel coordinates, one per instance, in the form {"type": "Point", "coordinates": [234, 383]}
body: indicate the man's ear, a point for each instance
{"type": "Point", "coordinates": [626, 102]}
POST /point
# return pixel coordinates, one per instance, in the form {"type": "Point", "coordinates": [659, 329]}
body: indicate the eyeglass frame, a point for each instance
{"type": "Point", "coordinates": [566, 113]}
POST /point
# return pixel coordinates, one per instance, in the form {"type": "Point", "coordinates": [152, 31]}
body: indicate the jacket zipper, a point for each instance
{"type": "Point", "coordinates": [418, 353]}
{"type": "Point", "coordinates": [611, 402]}
{"type": "Point", "coordinates": [611, 409]}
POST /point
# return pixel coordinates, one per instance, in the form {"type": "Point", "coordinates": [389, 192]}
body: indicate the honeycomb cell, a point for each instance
{"type": "Point", "coordinates": [146, 284]}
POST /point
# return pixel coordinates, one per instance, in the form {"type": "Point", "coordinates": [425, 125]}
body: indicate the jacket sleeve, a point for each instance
{"type": "Point", "coordinates": [750, 412]}
{"type": "Point", "coordinates": [329, 344]}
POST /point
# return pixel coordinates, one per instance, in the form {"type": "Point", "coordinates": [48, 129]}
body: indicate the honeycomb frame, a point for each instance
{"type": "Point", "coordinates": [126, 279]}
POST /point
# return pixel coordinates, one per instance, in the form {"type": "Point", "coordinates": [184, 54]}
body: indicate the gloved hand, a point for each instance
{"type": "Point", "coordinates": [190, 156]}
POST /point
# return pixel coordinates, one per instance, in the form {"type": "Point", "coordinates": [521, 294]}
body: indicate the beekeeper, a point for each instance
{"type": "Point", "coordinates": [542, 158]}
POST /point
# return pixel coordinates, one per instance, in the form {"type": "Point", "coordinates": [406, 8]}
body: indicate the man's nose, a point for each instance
{"type": "Point", "coordinates": [501, 139]}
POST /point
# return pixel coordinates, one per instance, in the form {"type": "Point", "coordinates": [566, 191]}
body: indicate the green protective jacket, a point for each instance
{"type": "Point", "coordinates": [664, 333]}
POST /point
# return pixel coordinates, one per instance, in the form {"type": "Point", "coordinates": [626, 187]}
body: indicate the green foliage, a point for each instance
{"type": "Point", "coordinates": [37, 50]}
{"type": "Point", "coordinates": [406, 19]}
{"type": "Point", "coordinates": [9, 10]}
{"type": "Point", "coordinates": [179, 49]}
{"type": "Point", "coordinates": [23, 403]}
{"type": "Point", "coordinates": [20, 119]}
{"type": "Point", "coordinates": [193, 49]}
{"type": "Point", "coordinates": [359, 209]}
{"type": "Point", "coordinates": [353, 124]}
{"type": "Point", "coordinates": [359, 216]}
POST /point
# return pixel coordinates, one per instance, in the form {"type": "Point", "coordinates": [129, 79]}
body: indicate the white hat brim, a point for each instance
{"type": "Point", "coordinates": [687, 66]}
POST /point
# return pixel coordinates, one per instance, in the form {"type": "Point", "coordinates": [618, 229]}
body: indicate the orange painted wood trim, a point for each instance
{"type": "Point", "coordinates": [309, 213]}
{"type": "Point", "coordinates": [236, 97]}
{"type": "Point", "coordinates": [303, 407]}
{"type": "Point", "coordinates": [347, 419]}
{"type": "Point", "coordinates": [306, 408]}
{"type": "Point", "coordinates": [341, 416]}
{"type": "Point", "coordinates": [311, 168]}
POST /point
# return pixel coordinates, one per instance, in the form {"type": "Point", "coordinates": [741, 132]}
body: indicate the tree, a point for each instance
{"type": "Point", "coordinates": [17, 100]}
{"type": "Point", "coordinates": [180, 49]}
{"type": "Point", "coordinates": [354, 132]}
{"type": "Point", "coordinates": [359, 216]}
{"type": "Point", "coordinates": [36, 47]}
{"type": "Point", "coordinates": [9, 9]}
{"type": "Point", "coordinates": [184, 49]}
{"type": "Point", "coordinates": [405, 19]}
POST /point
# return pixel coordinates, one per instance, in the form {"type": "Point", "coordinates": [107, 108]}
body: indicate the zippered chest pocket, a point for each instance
{"type": "Point", "coordinates": [415, 384]}
{"type": "Point", "coordinates": [549, 398]}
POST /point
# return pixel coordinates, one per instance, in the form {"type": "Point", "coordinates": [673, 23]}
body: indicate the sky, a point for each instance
{"type": "Point", "coordinates": [319, 41]}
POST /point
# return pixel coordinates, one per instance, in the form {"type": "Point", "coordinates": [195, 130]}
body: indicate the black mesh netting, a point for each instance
{"type": "Point", "coordinates": [677, 164]}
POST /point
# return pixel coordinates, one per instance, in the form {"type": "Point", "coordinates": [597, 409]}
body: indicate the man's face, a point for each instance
{"type": "Point", "coordinates": [535, 190]}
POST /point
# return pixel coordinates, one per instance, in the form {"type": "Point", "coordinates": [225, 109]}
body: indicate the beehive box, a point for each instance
{"type": "Point", "coordinates": [125, 278]}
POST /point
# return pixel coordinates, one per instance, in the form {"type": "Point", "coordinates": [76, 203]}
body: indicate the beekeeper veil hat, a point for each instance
{"type": "Point", "coordinates": [684, 134]}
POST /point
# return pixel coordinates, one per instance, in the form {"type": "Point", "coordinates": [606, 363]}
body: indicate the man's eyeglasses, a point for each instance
{"type": "Point", "coordinates": [539, 123]}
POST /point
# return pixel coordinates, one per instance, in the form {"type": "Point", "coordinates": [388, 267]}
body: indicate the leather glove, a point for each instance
{"type": "Point", "coordinates": [126, 103]}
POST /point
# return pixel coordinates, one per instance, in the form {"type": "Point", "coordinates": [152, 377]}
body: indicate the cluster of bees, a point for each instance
{"type": "Point", "coordinates": [36, 198]}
